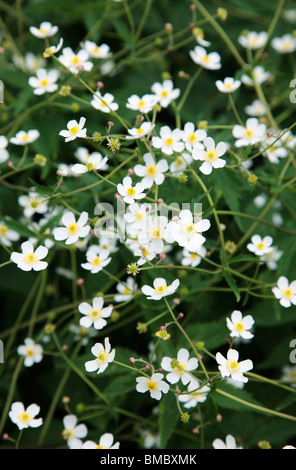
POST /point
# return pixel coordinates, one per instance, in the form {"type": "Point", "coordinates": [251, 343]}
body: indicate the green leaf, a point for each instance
{"type": "Point", "coordinates": [230, 281]}
{"type": "Point", "coordinates": [168, 418]}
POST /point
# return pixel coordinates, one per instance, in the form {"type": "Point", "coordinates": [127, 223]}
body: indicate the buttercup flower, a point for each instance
{"type": "Point", "coordinates": [260, 246]}
{"type": "Point", "coordinates": [125, 290]}
{"type": "Point", "coordinates": [32, 204]}
{"type": "Point", "coordinates": [97, 258]}
{"type": "Point", "coordinates": [259, 75]}
{"type": "Point", "coordinates": [104, 103]}
{"type": "Point", "coordinates": [94, 314]}
{"type": "Point", "coordinates": [73, 432]}
{"type": "Point", "coordinates": [45, 30]}
{"type": "Point", "coordinates": [129, 192]}
{"type": "Point", "coordinates": [239, 325]}
{"type": "Point", "coordinates": [105, 442]}
{"type": "Point", "coordinates": [285, 44]}
{"type": "Point", "coordinates": [94, 163]}
{"type": "Point", "coordinates": [160, 289]}
{"type": "Point", "coordinates": [154, 384]}
{"type": "Point", "coordinates": [169, 140]}
{"type": "Point", "coordinates": [44, 82]}
{"type": "Point", "coordinates": [253, 40]}
{"type": "Point", "coordinates": [53, 49]}
{"type": "Point", "coordinates": [187, 232]}
{"type": "Point", "coordinates": [178, 368]}
{"type": "Point", "coordinates": [193, 259]}
{"type": "Point", "coordinates": [210, 156]}
{"type": "Point", "coordinates": [152, 172]}
{"type": "Point", "coordinates": [192, 137]}
{"type": "Point", "coordinates": [230, 367]}
{"type": "Point", "coordinates": [76, 62]}
{"type": "Point", "coordinates": [228, 85]}
{"type": "Point", "coordinates": [141, 131]}
{"type": "Point", "coordinates": [32, 352]}
{"type": "Point", "coordinates": [104, 356]}
{"type": "Point", "coordinates": [195, 394]}
{"type": "Point", "coordinates": [256, 108]}
{"type": "Point", "coordinates": [165, 92]}
{"type": "Point", "coordinates": [285, 292]}
{"type": "Point", "coordinates": [25, 138]}
{"type": "Point", "coordinates": [25, 418]}
{"type": "Point", "coordinates": [75, 130]}
{"type": "Point", "coordinates": [143, 104]}
{"type": "Point", "coordinates": [97, 52]}
{"type": "Point", "coordinates": [73, 230]}
{"type": "Point", "coordinates": [200, 56]}
{"type": "Point", "coordinates": [30, 259]}
{"type": "Point", "coordinates": [250, 134]}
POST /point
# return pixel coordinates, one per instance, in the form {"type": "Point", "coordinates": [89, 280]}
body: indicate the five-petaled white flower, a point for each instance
{"type": "Point", "coordinates": [250, 134]}
{"type": "Point", "coordinates": [140, 132]}
{"type": "Point", "coordinates": [152, 172]}
{"type": "Point", "coordinates": [260, 246]}
{"type": "Point", "coordinates": [195, 394]}
{"type": "Point", "coordinates": [239, 326]}
{"type": "Point", "coordinates": [105, 442]}
{"type": "Point", "coordinates": [258, 75]}
{"type": "Point", "coordinates": [253, 40]}
{"type": "Point", "coordinates": [230, 367]}
{"type": "Point", "coordinates": [76, 62]}
{"type": "Point", "coordinates": [143, 104]}
{"type": "Point", "coordinates": [230, 443]}
{"type": "Point", "coordinates": [75, 130]}
{"type": "Point", "coordinates": [24, 138]}
{"type": "Point", "coordinates": [160, 289]}
{"type": "Point", "coordinates": [180, 367]}
{"type": "Point", "coordinates": [193, 259]}
{"type": "Point", "coordinates": [45, 30]}
{"type": "Point", "coordinates": [104, 103]}
{"type": "Point", "coordinates": [32, 204]}
{"type": "Point", "coordinates": [228, 85]}
{"type": "Point", "coordinates": [49, 51]}
{"type": "Point", "coordinates": [30, 259]}
{"type": "Point", "coordinates": [200, 56]}
{"type": "Point", "coordinates": [73, 432]}
{"type": "Point", "coordinates": [193, 137]}
{"type": "Point", "coordinates": [94, 314]}
{"type": "Point", "coordinates": [73, 230]}
{"type": "Point", "coordinates": [97, 52]}
{"type": "Point", "coordinates": [187, 232]}
{"type": "Point", "coordinates": [154, 384]}
{"type": "Point", "coordinates": [211, 156]}
{"type": "Point", "coordinates": [165, 92]}
{"type": "Point", "coordinates": [126, 290]}
{"type": "Point", "coordinates": [284, 45]}
{"type": "Point", "coordinates": [32, 352]}
{"type": "Point", "coordinates": [97, 258]}
{"type": "Point", "coordinates": [25, 418]}
{"type": "Point", "coordinates": [94, 163]}
{"type": "Point", "coordinates": [129, 192]}
{"type": "Point", "coordinates": [169, 141]}
{"type": "Point", "coordinates": [103, 355]}
{"type": "Point", "coordinates": [285, 292]}
{"type": "Point", "coordinates": [44, 82]}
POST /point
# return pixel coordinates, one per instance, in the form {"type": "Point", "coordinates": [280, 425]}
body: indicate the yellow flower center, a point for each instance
{"type": "Point", "coordinates": [34, 203]}
{"type": "Point", "coordinates": [96, 261]}
{"type": "Point", "coordinates": [74, 130]}
{"type": "Point", "coordinates": [90, 166]}
{"type": "Point", "coordinates": [189, 228]}
{"type": "Point", "coordinates": [232, 365]}
{"type": "Point", "coordinates": [228, 85]}
{"type": "Point", "coordinates": [206, 59]}
{"type": "Point", "coordinates": [192, 137]}
{"type": "Point", "coordinates": [211, 155]}
{"type": "Point", "coordinates": [261, 245]}
{"type": "Point", "coordinates": [157, 233]}
{"type": "Point", "coordinates": [3, 230]}
{"type": "Point", "coordinates": [239, 326]}
{"type": "Point", "coordinates": [99, 446]}
{"type": "Point", "coordinates": [178, 367]}
{"type": "Point", "coordinates": [140, 131]}
{"type": "Point", "coordinates": [126, 291]}
{"type": "Point", "coordinates": [249, 133]}
{"type": "Point", "coordinates": [42, 30]}
{"type": "Point", "coordinates": [152, 385]}
{"type": "Point", "coordinates": [161, 290]}
{"type": "Point", "coordinates": [30, 352]}
{"type": "Point", "coordinates": [44, 82]}
{"type": "Point", "coordinates": [102, 356]}
{"type": "Point", "coordinates": [139, 216]}
{"type": "Point", "coordinates": [95, 313]}
{"type": "Point", "coordinates": [169, 141]}
{"type": "Point", "coordinates": [25, 417]}
{"type": "Point", "coordinates": [131, 191]}
{"type": "Point", "coordinates": [31, 258]}
{"type": "Point", "coordinates": [164, 93]}
{"type": "Point", "coordinates": [75, 60]}
{"type": "Point", "coordinates": [68, 434]}
{"type": "Point", "coordinates": [25, 137]}
{"type": "Point", "coordinates": [73, 229]}
{"type": "Point", "coordinates": [151, 170]}
{"type": "Point", "coordinates": [287, 293]}
{"type": "Point", "coordinates": [141, 103]}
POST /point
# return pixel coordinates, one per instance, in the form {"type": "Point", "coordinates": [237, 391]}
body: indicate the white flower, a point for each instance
{"type": "Point", "coordinates": [129, 192]}
{"type": "Point", "coordinates": [32, 352]}
{"type": "Point", "coordinates": [45, 30]}
{"type": "Point", "coordinates": [75, 130]}
{"type": "Point", "coordinates": [229, 85]}
{"type": "Point", "coordinates": [24, 138]}
{"type": "Point", "coordinates": [289, 375]}
{"type": "Point", "coordinates": [275, 150]}
{"type": "Point", "coordinates": [187, 232]}
{"type": "Point", "coordinates": [193, 259]}
{"type": "Point", "coordinates": [229, 443]}
{"type": "Point", "coordinates": [260, 246]}
{"type": "Point", "coordinates": [72, 230]}
{"type": "Point", "coordinates": [126, 290]}
{"type": "Point", "coordinates": [253, 40]}
{"type": "Point", "coordinates": [140, 132]}
{"type": "Point", "coordinates": [154, 384]}
{"type": "Point", "coordinates": [231, 367]}
{"type": "Point", "coordinates": [44, 82]}
{"type": "Point", "coordinates": [95, 314]}
{"type": "Point", "coordinates": [199, 36]}
{"type": "Point", "coordinates": [143, 104]}
{"type": "Point", "coordinates": [160, 289]}
{"type": "Point", "coordinates": [7, 235]}
{"type": "Point", "coordinates": [285, 291]}
{"type": "Point", "coordinates": [239, 325]}
{"type": "Point", "coordinates": [180, 163]}
{"type": "Point", "coordinates": [94, 163]}
{"type": "Point", "coordinates": [152, 172]}
{"type": "Point", "coordinates": [76, 62]}
{"type": "Point", "coordinates": [169, 140]}
{"type": "Point", "coordinates": [165, 92]}
{"type": "Point", "coordinates": [83, 154]}
{"type": "Point", "coordinates": [193, 138]}
{"type": "Point", "coordinates": [97, 258]}
{"type": "Point", "coordinates": [105, 442]}
{"type": "Point", "coordinates": [104, 103]}
{"type": "Point", "coordinates": [210, 156]}
{"type": "Point", "coordinates": [32, 204]}
{"type": "Point", "coordinates": [53, 49]}
{"type": "Point", "coordinates": [285, 44]}
{"type": "Point", "coordinates": [211, 61]}
{"type": "Point", "coordinates": [154, 233]}
{"type": "Point", "coordinates": [195, 394]}
{"type": "Point", "coordinates": [97, 52]}
{"type": "Point", "coordinates": [271, 258]}
{"type": "Point", "coordinates": [259, 74]}
{"type": "Point", "coordinates": [137, 215]}
{"type": "Point", "coordinates": [104, 356]}
{"type": "Point", "coordinates": [256, 108]}
{"type": "Point", "coordinates": [30, 259]}
{"type": "Point", "coordinates": [4, 155]}
{"type": "Point", "coordinates": [178, 368]}
{"type": "Point", "coordinates": [25, 418]}
{"type": "Point", "coordinates": [250, 134]}
{"type": "Point", "coordinates": [73, 432]}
